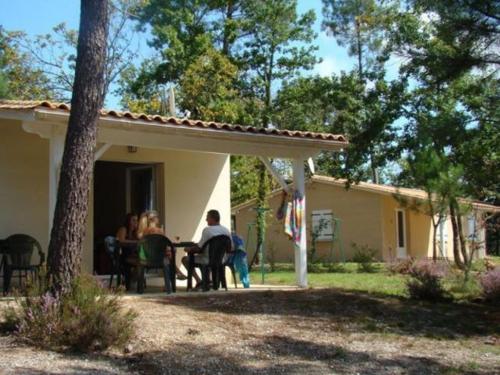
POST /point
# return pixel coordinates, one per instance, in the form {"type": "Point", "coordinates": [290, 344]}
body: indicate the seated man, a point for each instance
{"type": "Point", "coordinates": [212, 230]}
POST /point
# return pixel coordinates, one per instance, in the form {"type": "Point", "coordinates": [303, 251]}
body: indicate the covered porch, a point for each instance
{"type": "Point", "coordinates": [189, 160]}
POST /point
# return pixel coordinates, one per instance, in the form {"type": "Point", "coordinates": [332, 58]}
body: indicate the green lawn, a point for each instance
{"type": "Point", "coordinates": [378, 282]}
{"type": "Point", "coordinates": [347, 277]}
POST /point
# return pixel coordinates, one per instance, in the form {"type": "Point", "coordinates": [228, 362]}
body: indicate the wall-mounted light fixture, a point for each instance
{"type": "Point", "coordinates": [132, 149]}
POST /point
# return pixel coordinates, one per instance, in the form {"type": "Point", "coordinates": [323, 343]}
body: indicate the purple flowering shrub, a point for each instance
{"type": "Point", "coordinates": [84, 319]}
{"type": "Point", "coordinates": [425, 281]}
{"type": "Point", "coordinates": [490, 283]}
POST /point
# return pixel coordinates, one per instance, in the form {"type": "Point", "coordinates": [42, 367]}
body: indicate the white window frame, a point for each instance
{"type": "Point", "coordinates": [328, 214]}
{"type": "Point", "coordinates": [472, 228]}
{"type": "Point", "coordinates": [443, 236]}
{"type": "Point", "coordinates": [400, 250]}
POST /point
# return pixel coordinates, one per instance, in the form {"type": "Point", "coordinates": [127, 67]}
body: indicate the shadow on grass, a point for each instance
{"type": "Point", "coordinates": [356, 311]}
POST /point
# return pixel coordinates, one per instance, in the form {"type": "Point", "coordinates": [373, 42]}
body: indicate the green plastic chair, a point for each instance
{"type": "Point", "coordinates": [151, 255]}
{"type": "Point", "coordinates": [19, 249]}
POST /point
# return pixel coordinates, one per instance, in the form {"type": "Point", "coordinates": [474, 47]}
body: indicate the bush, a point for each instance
{"type": "Point", "coordinates": [461, 288]}
{"type": "Point", "coordinates": [425, 281]}
{"type": "Point", "coordinates": [490, 284]}
{"type": "Point", "coordinates": [84, 319]}
{"type": "Point", "coordinates": [365, 257]}
{"type": "Point", "coordinates": [400, 266]}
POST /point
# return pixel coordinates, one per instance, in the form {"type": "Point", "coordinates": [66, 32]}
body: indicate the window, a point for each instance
{"type": "Point", "coordinates": [401, 232]}
{"type": "Point", "coordinates": [471, 228]}
{"type": "Point", "coordinates": [322, 224]}
{"type": "Point", "coordinates": [443, 236]}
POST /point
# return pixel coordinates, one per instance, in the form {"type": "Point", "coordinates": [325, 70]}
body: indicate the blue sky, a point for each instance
{"type": "Point", "coordinates": [39, 16]}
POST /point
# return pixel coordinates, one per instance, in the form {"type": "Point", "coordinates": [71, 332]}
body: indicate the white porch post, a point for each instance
{"type": "Point", "coordinates": [301, 247]}
{"type": "Point", "coordinates": [56, 148]}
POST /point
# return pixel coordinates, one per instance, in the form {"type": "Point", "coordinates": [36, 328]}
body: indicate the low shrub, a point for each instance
{"type": "Point", "coordinates": [335, 267]}
{"type": "Point", "coordinates": [462, 289]}
{"type": "Point", "coordinates": [364, 256]}
{"type": "Point", "coordinates": [399, 266]}
{"type": "Point", "coordinates": [425, 281]}
{"type": "Point", "coordinates": [490, 285]}
{"type": "Point", "coordinates": [84, 319]}
{"type": "Point", "coordinates": [326, 267]}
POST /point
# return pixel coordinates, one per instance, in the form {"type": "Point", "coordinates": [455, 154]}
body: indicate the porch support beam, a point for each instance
{"type": "Point", "coordinates": [101, 150]}
{"type": "Point", "coordinates": [56, 149]}
{"type": "Point", "coordinates": [301, 245]}
{"type": "Point", "coordinates": [275, 173]}
{"type": "Point", "coordinates": [310, 163]}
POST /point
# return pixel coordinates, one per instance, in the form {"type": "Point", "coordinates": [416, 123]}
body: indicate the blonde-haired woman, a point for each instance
{"type": "Point", "coordinates": [149, 223]}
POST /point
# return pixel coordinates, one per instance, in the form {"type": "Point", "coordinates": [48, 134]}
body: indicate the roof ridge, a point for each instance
{"type": "Point", "coordinates": [34, 104]}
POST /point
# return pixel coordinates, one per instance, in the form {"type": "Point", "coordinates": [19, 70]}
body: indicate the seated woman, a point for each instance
{"type": "Point", "coordinates": [127, 237]}
{"type": "Point", "coordinates": [153, 224]}
{"type": "Point", "coordinates": [127, 233]}
{"type": "Point", "coordinates": [150, 224]}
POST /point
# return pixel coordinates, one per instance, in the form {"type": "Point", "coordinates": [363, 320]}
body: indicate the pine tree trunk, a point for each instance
{"type": "Point", "coordinates": [68, 229]}
{"type": "Point", "coordinates": [461, 238]}
{"type": "Point", "coordinates": [226, 41]}
{"type": "Point", "coordinates": [456, 243]}
{"type": "Point", "coordinates": [434, 245]}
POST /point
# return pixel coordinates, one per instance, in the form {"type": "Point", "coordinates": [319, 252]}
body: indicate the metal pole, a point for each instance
{"type": "Point", "coordinates": [261, 218]}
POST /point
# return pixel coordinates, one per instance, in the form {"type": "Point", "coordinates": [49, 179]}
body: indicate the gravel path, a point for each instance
{"type": "Point", "coordinates": [320, 331]}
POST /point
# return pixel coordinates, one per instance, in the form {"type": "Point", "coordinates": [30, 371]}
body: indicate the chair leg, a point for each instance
{"type": "Point", "coordinates": [173, 272]}
{"type": "Point", "coordinates": [205, 275]}
{"type": "Point", "coordinates": [140, 280]}
{"type": "Point", "coordinates": [190, 271]}
{"type": "Point", "coordinates": [167, 278]}
{"type": "Point", "coordinates": [7, 277]}
{"type": "Point", "coordinates": [128, 275]}
{"type": "Point", "coordinates": [222, 275]}
{"type": "Point", "coordinates": [173, 278]}
{"type": "Point", "coordinates": [215, 277]}
{"type": "Point", "coordinates": [233, 273]}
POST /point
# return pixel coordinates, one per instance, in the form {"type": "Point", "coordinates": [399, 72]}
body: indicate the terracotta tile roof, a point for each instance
{"type": "Point", "coordinates": [31, 105]}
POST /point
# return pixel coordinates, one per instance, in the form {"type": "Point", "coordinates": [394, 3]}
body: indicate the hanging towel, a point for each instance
{"type": "Point", "coordinates": [295, 213]}
{"type": "Point", "coordinates": [282, 210]}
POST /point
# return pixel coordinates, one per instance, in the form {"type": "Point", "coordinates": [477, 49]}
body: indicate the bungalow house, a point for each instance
{"type": "Point", "coordinates": [379, 217]}
{"type": "Point", "coordinates": [179, 167]}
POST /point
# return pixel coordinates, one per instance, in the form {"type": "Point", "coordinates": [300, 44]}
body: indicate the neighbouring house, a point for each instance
{"type": "Point", "coordinates": [180, 167]}
{"type": "Point", "coordinates": [366, 215]}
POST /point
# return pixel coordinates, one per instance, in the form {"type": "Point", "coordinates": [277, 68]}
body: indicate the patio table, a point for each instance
{"type": "Point", "coordinates": [184, 244]}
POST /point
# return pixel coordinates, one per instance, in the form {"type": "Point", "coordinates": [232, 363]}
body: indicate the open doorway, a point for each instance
{"type": "Point", "coordinates": [120, 188]}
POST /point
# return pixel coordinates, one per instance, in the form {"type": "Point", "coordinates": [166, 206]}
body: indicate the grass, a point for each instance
{"type": "Point", "coordinates": [347, 277]}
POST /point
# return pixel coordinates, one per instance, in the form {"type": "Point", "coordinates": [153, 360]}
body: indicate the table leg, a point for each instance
{"type": "Point", "coordinates": [173, 272]}
{"type": "Point", "coordinates": [190, 271]}
{"type": "Point", "coordinates": [7, 275]}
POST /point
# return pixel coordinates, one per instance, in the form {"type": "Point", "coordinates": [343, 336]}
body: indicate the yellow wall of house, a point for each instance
{"type": "Point", "coordinates": [367, 219]}
{"type": "Point", "coordinates": [418, 230]}
{"type": "Point", "coordinates": [194, 182]}
{"type": "Point", "coordinates": [359, 212]}
{"type": "Point", "coordinates": [23, 183]}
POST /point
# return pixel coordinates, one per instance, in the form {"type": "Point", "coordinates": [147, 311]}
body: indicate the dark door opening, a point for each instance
{"type": "Point", "coordinates": [119, 188]}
